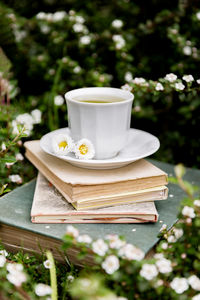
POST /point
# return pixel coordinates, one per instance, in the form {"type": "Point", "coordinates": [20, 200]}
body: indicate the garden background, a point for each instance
{"type": "Point", "coordinates": [50, 47]}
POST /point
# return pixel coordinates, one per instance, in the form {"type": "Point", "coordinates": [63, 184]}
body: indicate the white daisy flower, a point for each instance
{"type": "Point", "coordinates": [179, 285]}
{"type": "Point", "coordinates": [62, 144]}
{"type": "Point", "coordinates": [111, 264]}
{"type": "Point", "coordinates": [84, 149]}
{"type": "Point", "coordinates": [148, 271]}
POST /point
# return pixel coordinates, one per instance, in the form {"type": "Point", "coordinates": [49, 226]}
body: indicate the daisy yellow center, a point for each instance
{"type": "Point", "coordinates": [62, 144]}
{"type": "Point", "coordinates": [83, 149]}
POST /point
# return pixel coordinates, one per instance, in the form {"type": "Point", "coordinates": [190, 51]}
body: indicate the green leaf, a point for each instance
{"type": "Point", "coordinates": [9, 159]}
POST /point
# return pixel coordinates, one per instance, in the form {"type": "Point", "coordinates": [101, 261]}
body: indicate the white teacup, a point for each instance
{"type": "Point", "coordinates": [102, 115]}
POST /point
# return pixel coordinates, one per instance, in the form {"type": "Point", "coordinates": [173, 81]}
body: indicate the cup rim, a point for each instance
{"type": "Point", "coordinates": [75, 92]}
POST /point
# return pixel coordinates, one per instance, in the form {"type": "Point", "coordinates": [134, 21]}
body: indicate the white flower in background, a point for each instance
{"type": "Point", "coordinates": [85, 40]}
{"type": "Point", "coordinates": [119, 41]}
{"type": "Point", "coordinates": [3, 146]}
{"type": "Point", "coordinates": [51, 71]}
{"type": "Point", "coordinates": [164, 265]}
{"type": "Point", "coordinates": [179, 86]}
{"type": "Point", "coordinates": [77, 69]}
{"type": "Point", "coordinates": [16, 278]}
{"type": "Point", "coordinates": [44, 28]}
{"type": "Point", "coordinates": [171, 77]}
{"type": "Point", "coordinates": [114, 241]}
{"type": "Point", "coordinates": [100, 247]}
{"type": "Point", "coordinates": [111, 264]}
{"type": "Point", "coordinates": [194, 282]}
{"type": "Point", "coordinates": [8, 165]}
{"type": "Point", "coordinates": [131, 252]}
{"type": "Point", "coordinates": [59, 16]}
{"type": "Point", "coordinates": [158, 256]}
{"type": "Point", "coordinates": [71, 230]}
{"type": "Point", "coordinates": [139, 81]}
{"type": "Point", "coordinates": [128, 76]}
{"type": "Point", "coordinates": [179, 285]}
{"type": "Point", "coordinates": [148, 271]}
{"type": "Point", "coordinates": [41, 16]}
{"type": "Point", "coordinates": [79, 19]}
{"type": "Point", "coordinates": [198, 81]}
{"type": "Point", "coordinates": [197, 202]}
{"type": "Point", "coordinates": [126, 87]}
{"type": "Point", "coordinates": [47, 264]}
{"type": "Point", "coordinates": [188, 78]}
{"type": "Point", "coordinates": [164, 246]}
{"type": "Point", "coordinates": [159, 87]}
{"type": "Point", "coordinates": [70, 278]}
{"type": "Point", "coordinates": [19, 157]}
{"type": "Point", "coordinates": [188, 211]}
{"type": "Point", "coordinates": [196, 297]}
{"type": "Point", "coordinates": [117, 23]}
{"type": "Point", "coordinates": [171, 239]}
{"type": "Point", "coordinates": [42, 290]}
{"type": "Point", "coordinates": [187, 50]}
{"type": "Point", "coordinates": [178, 232]}
{"type": "Point", "coordinates": [14, 267]}
{"type": "Point", "coordinates": [36, 115]}
{"type": "Point", "coordinates": [78, 27]}
{"type": "Point", "coordinates": [4, 253]}
{"type": "Point", "coordinates": [58, 100]}
{"type": "Point", "coordinates": [198, 15]}
{"type": "Point", "coordinates": [163, 227]}
{"type": "Point", "coordinates": [24, 119]}
{"type": "Point", "coordinates": [84, 149]}
{"type": "Point", "coordinates": [2, 261]}
{"type": "Point", "coordinates": [15, 178]}
{"type": "Point", "coordinates": [62, 144]}
{"type": "Point", "coordinates": [85, 238]}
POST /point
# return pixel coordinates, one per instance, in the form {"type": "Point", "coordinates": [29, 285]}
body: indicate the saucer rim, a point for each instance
{"type": "Point", "coordinates": [100, 162]}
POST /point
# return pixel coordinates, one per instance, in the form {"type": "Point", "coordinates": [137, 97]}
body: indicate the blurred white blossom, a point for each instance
{"type": "Point", "coordinates": [42, 290]}
{"type": "Point", "coordinates": [128, 76]}
{"type": "Point", "coordinates": [188, 78]}
{"type": "Point", "coordinates": [159, 87]}
{"type": "Point", "coordinates": [71, 230]}
{"type": "Point", "coordinates": [187, 50]}
{"type": "Point", "coordinates": [119, 41]}
{"type": "Point", "coordinates": [197, 202]}
{"type": "Point", "coordinates": [100, 247]}
{"type": "Point", "coordinates": [148, 271]}
{"type": "Point", "coordinates": [171, 77]}
{"type": "Point", "coordinates": [2, 261]}
{"type": "Point", "coordinates": [36, 115]}
{"type": "Point", "coordinates": [47, 264]}
{"type": "Point", "coordinates": [188, 211]}
{"type": "Point", "coordinates": [131, 252]}
{"type": "Point", "coordinates": [117, 23]}
{"type": "Point", "coordinates": [85, 238]}
{"type": "Point", "coordinates": [179, 285]}
{"type": "Point", "coordinates": [194, 282]}
{"type": "Point", "coordinates": [15, 178]}
{"type": "Point", "coordinates": [85, 40]}
{"type": "Point", "coordinates": [179, 86]}
{"type": "Point", "coordinates": [164, 265]}
{"type": "Point", "coordinates": [198, 15]}
{"type": "Point", "coordinates": [58, 100]}
{"type": "Point", "coordinates": [111, 264]}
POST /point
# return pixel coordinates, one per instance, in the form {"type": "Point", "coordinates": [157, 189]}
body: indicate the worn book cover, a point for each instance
{"type": "Point", "coordinates": [49, 206]}
{"type": "Point", "coordinates": [77, 184]}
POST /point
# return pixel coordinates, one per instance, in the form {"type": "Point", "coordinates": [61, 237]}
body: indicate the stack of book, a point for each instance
{"type": "Point", "coordinates": [68, 194]}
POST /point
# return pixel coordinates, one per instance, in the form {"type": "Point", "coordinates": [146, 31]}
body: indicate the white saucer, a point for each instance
{"type": "Point", "coordinates": [140, 144]}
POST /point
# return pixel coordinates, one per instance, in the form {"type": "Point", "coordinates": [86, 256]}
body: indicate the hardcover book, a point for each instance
{"type": "Point", "coordinates": [49, 206]}
{"type": "Point", "coordinates": [84, 187]}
